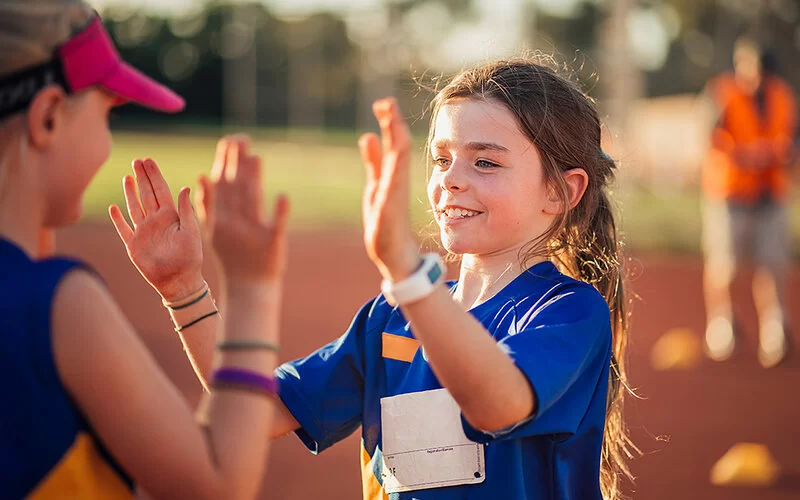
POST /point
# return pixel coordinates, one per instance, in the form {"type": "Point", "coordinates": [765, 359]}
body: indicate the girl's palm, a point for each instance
{"type": "Point", "coordinates": [164, 243]}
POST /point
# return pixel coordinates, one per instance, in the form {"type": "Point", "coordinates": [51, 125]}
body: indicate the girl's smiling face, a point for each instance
{"type": "Point", "coordinates": [487, 188]}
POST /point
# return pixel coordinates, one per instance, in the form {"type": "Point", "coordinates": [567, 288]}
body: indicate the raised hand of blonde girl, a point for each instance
{"type": "Point", "coordinates": [164, 240]}
{"type": "Point", "coordinates": [251, 247]}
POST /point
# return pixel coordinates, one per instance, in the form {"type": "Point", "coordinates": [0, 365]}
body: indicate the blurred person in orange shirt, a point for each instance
{"type": "Point", "coordinates": [746, 182]}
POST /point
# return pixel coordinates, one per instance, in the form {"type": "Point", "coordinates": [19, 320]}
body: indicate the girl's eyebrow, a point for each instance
{"type": "Point", "coordinates": [472, 146]}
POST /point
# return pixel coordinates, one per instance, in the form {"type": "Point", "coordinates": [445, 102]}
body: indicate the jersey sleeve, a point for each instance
{"type": "Point", "coordinates": [325, 390]}
{"type": "Point", "coordinates": [563, 348]}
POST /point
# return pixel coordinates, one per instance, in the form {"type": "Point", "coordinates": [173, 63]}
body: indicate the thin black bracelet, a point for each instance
{"type": "Point", "coordinates": [194, 322]}
{"type": "Point", "coordinates": [236, 345]}
{"type": "Point", "coordinates": [195, 301]}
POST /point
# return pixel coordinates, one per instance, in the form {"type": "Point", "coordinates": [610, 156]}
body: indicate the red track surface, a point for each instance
{"type": "Point", "coordinates": [685, 421]}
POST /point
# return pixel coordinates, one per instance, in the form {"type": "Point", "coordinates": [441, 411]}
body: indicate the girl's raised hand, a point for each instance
{"type": "Point", "coordinates": [388, 237]}
{"type": "Point", "coordinates": [250, 246]}
{"type": "Point", "coordinates": [164, 243]}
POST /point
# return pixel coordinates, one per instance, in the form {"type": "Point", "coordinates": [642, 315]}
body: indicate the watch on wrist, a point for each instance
{"type": "Point", "coordinates": [420, 284]}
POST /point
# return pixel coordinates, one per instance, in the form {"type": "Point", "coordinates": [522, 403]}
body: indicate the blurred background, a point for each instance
{"type": "Point", "coordinates": [307, 71]}
{"type": "Point", "coordinates": [300, 75]}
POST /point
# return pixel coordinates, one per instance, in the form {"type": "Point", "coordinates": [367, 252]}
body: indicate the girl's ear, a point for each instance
{"type": "Point", "coordinates": [45, 116]}
{"type": "Point", "coordinates": [575, 180]}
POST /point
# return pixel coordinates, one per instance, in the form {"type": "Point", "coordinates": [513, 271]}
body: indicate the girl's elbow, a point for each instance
{"type": "Point", "coordinates": [505, 408]}
{"type": "Point", "coordinates": [499, 418]}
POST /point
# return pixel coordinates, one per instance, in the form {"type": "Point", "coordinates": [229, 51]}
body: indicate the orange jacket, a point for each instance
{"type": "Point", "coordinates": [742, 126]}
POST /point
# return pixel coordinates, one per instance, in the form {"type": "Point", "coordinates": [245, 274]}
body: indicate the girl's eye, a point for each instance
{"type": "Point", "coordinates": [485, 164]}
{"type": "Point", "coordinates": [441, 162]}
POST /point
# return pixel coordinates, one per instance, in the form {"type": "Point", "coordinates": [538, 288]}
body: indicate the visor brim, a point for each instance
{"type": "Point", "coordinates": [131, 85]}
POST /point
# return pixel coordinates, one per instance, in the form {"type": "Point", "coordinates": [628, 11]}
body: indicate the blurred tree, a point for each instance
{"type": "Point", "coordinates": [324, 69]}
{"type": "Point", "coordinates": [708, 30]}
{"type": "Point", "coordinates": [246, 49]}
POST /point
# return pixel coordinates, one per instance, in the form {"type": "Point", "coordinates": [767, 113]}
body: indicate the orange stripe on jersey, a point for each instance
{"type": "Point", "coordinates": [370, 487]}
{"type": "Point", "coordinates": [399, 348]}
{"type": "Point", "coordinates": [82, 473]}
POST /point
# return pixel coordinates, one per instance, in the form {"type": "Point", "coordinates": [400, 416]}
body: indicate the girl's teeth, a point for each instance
{"type": "Point", "coordinates": [458, 213]}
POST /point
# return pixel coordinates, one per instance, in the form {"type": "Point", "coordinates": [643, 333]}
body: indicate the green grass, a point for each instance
{"type": "Point", "coordinates": [670, 221]}
{"type": "Point", "coordinates": [659, 221]}
{"type": "Point", "coordinates": [324, 178]}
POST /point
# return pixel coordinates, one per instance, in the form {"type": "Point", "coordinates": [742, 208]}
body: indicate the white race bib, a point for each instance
{"type": "Point", "coordinates": [424, 445]}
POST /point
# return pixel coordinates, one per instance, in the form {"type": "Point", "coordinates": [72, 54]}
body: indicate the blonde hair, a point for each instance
{"type": "Point", "coordinates": [30, 30]}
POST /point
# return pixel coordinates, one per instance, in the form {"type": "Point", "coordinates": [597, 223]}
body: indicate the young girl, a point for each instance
{"type": "Point", "coordinates": [86, 410]}
{"type": "Point", "coordinates": [507, 383]}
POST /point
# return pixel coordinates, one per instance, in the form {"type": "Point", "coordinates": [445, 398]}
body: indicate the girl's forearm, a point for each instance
{"type": "Point", "coordinates": [491, 391]}
{"type": "Point", "coordinates": [199, 343]}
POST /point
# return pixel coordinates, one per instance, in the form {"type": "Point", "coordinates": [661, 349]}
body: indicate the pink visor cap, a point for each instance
{"type": "Point", "coordinates": [87, 59]}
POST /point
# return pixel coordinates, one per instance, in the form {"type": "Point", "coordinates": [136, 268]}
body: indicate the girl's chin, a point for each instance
{"type": "Point", "coordinates": [64, 217]}
{"type": "Point", "coordinates": [458, 246]}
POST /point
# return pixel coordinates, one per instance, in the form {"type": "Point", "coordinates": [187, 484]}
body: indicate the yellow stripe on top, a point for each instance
{"type": "Point", "coordinates": [82, 473]}
{"type": "Point", "coordinates": [370, 487]}
{"type": "Point", "coordinates": [399, 348]}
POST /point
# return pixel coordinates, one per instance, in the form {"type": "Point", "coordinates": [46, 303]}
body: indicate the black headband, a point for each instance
{"type": "Point", "coordinates": [18, 90]}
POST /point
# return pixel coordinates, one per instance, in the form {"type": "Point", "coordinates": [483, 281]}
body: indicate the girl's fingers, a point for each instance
{"type": "Point", "coordinates": [249, 182]}
{"type": "Point", "coordinates": [394, 183]}
{"type": "Point", "coordinates": [218, 169]}
{"type": "Point", "coordinates": [394, 130]}
{"type": "Point", "coordinates": [370, 147]}
{"type": "Point", "coordinates": [279, 229]}
{"type": "Point", "coordinates": [158, 184]}
{"type": "Point", "coordinates": [243, 142]}
{"type": "Point", "coordinates": [240, 168]}
{"type": "Point", "coordinates": [146, 194]}
{"type": "Point", "coordinates": [281, 216]}
{"type": "Point", "coordinates": [237, 152]}
{"type": "Point", "coordinates": [235, 181]}
{"type": "Point", "coordinates": [186, 213]}
{"type": "Point", "coordinates": [123, 229]}
{"type": "Point", "coordinates": [382, 111]}
{"type": "Point", "coordinates": [205, 199]}
{"type": "Point", "coordinates": [246, 177]}
{"type": "Point", "coordinates": [132, 200]}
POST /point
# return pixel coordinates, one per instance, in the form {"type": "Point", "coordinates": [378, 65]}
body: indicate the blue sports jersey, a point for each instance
{"type": "Point", "coordinates": [47, 448]}
{"type": "Point", "coordinates": [558, 332]}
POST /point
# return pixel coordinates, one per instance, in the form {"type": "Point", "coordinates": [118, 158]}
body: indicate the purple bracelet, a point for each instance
{"type": "Point", "coordinates": [245, 379]}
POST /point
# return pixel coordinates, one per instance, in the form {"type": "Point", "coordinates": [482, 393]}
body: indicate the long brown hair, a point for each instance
{"type": "Point", "coordinates": [564, 125]}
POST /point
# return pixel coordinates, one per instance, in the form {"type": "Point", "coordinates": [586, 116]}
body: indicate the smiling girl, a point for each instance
{"type": "Point", "coordinates": [507, 383]}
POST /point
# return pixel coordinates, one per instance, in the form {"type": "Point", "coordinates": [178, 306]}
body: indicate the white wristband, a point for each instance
{"type": "Point", "coordinates": [420, 284]}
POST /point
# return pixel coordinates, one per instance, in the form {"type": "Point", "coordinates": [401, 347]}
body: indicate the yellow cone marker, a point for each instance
{"type": "Point", "coordinates": [746, 464]}
{"type": "Point", "coordinates": [677, 349]}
